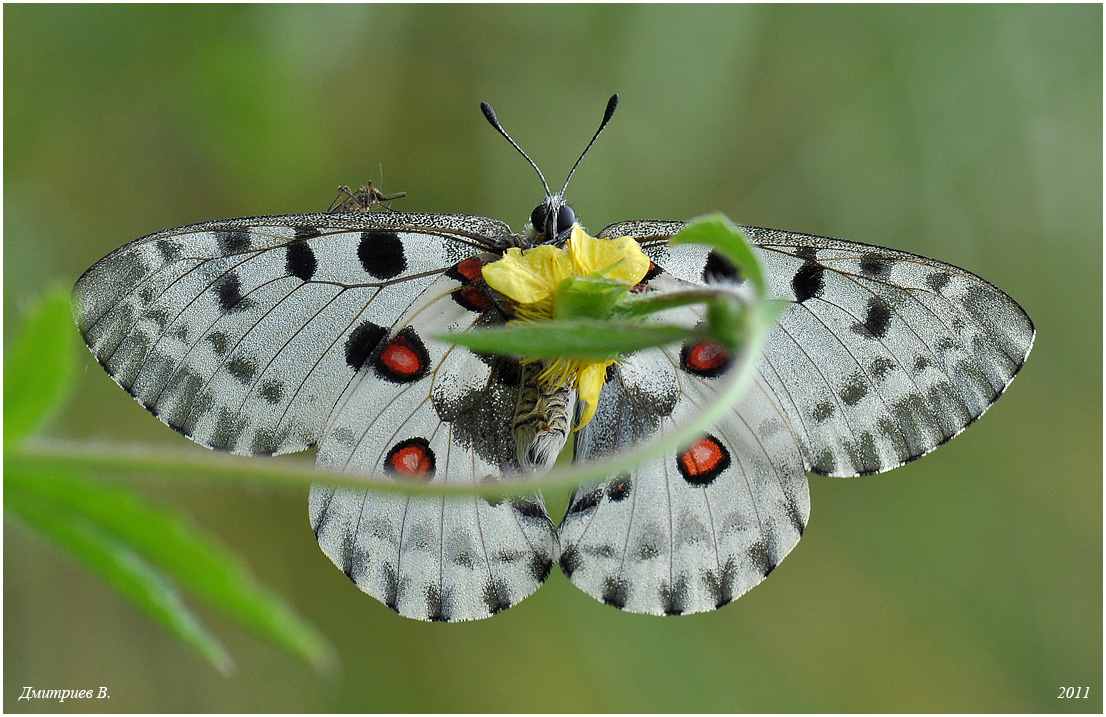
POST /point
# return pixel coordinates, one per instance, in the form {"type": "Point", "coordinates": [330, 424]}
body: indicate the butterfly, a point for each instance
{"type": "Point", "coordinates": [275, 334]}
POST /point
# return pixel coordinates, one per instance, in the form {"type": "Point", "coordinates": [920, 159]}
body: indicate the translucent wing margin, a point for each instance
{"type": "Point", "coordinates": [884, 355]}
{"type": "Point", "coordinates": [241, 333]}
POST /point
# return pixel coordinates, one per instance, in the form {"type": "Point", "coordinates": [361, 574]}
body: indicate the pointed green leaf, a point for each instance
{"type": "Point", "coordinates": [120, 567]}
{"type": "Point", "coordinates": [39, 367]}
{"type": "Point", "coordinates": [180, 551]}
{"type": "Point", "coordinates": [585, 339]}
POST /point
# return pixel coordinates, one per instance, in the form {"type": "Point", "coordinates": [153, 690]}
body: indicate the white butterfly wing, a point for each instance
{"type": "Point", "coordinates": [698, 528]}
{"type": "Point", "coordinates": [241, 333]}
{"type": "Point", "coordinates": [421, 409]}
{"type": "Point", "coordinates": [884, 355]}
{"type": "Point", "coordinates": [246, 335]}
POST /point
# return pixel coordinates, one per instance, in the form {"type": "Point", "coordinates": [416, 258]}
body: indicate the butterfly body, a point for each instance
{"type": "Point", "coordinates": [542, 422]}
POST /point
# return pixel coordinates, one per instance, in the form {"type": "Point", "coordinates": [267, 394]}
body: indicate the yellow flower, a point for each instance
{"type": "Point", "coordinates": [531, 277]}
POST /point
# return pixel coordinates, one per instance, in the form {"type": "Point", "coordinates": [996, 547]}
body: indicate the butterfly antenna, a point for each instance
{"type": "Point", "coordinates": [612, 105]}
{"type": "Point", "coordinates": [490, 114]}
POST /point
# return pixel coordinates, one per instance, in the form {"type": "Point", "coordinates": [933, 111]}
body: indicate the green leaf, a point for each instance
{"type": "Point", "coordinates": [120, 567]}
{"type": "Point", "coordinates": [716, 230]}
{"type": "Point", "coordinates": [585, 339]}
{"type": "Point", "coordinates": [169, 543]}
{"type": "Point", "coordinates": [587, 298]}
{"type": "Point", "coordinates": [655, 301]}
{"type": "Point", "coordinates": [39, 367]}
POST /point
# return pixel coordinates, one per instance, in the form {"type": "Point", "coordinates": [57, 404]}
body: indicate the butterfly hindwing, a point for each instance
{"type": "Point", "coordinates": [242, 334]}
{"type": "Point", "coordinates": [883, 355]}
{"type": "Point", "coordinates": [420, 409]}
{"type": "Point", "coordinates": [693, 530]}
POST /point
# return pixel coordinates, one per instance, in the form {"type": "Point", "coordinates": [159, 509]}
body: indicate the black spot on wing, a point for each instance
{"type": "Point", "coordinates": [822, 410]}
{"type": "Point", "coordinates": [228, 292]}
{"type": "Point", "coordinates": [570, 560]}
{"type": "Point", "coordinates": [720, 584]}
{"type": "Point", "coordinates": [876, 320]}
{"type": "Point", "coordinates": [758, 557]}
{"type": "Point", "coordinates": [381, 254]}
{"type": "Point", "coordinates": [585, 501]}
{"type": "Point", "coordinates": [266, 442]}
{"type": "Point", "coordinates": [435, 605]}
{"type": "Point", "coordinates": [170, 251]}
{"type": "Point", "coordinates": [875, 265]}
{"type": "Point", "coordinates": [719, 268]}
{"type": "Point", "coordinates": [228, 427]}
{"type": "Point", "coordinates": [306, 233]}
{"type": "Point", "coordinates": [619, 488]}
{"type": "Point", "coordinates": [807, 282]}
{"type": "Point", "coordinates": [540, 566]}
{"type": "Point", "coordinates": [529, 508]}
{"type": "Point", "coordinates": [496, 596]}
{"type": "Point", "coordinates": [219, 342]}
{"type": "Point", "coordinates": [299, 260]}
{"type": "Point", "coordinates": [938, 280]}
{"type": "Point", "coordinates": [880, 367]}
{"type": "Point", "coordinates": [234, 242]}
{"type": "Point", "coordinates": [362, 342]}
{"type": "Point", "coordinates": [823, 463]}
{"type": "Point", "coordinates": [675, 598]}
{"type": "Point", "coordinates": [272, 391]}
{"type": "Point", "coordinates": [615, 592]}
{"type": "Point", "coordinates": [855, 389]}
{"type": "Point", "coordinates": [242, 368]}
{"type": "Point", "coordinates": [391, 587]}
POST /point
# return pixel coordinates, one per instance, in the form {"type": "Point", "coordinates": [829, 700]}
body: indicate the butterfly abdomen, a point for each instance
{"type": "Point", "coordinates": [543, 419]}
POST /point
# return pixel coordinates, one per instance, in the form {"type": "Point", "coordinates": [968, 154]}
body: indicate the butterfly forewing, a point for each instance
{"type": "Point", "coordinates": [883, 355]}
{"type": "Point", "coordinates": [240, 333]}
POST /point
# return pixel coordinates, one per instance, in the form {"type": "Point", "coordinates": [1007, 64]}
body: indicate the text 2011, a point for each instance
{"type": "Point", "coordinates": [1074, 693]}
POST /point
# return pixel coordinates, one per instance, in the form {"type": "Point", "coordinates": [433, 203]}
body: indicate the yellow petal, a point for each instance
{"type": "Point", "coordinates": [529, 276]}
{"type": "Point", "coordinates": [589, 383]}
{"type": "Point", "coordinates": [622, 258]}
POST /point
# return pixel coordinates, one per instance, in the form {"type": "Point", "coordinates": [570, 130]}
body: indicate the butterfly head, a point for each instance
{"type": "Point", "coordinates": [551, 221]}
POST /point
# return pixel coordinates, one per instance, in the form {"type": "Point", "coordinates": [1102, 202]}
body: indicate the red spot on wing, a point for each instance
{"type": "Point", "coordinates": [473, 298]}
{"type": "Point", "coordinates": [411, 458]}
{"type": "Point", "coordinates": [706, 359]}
{"type": "Point", "coordinates": [703, 461]}
{"type": "Point", "coordinates": [404, 358]}
{"type": "Point", "coordinates": [401, 358]}
{"type": "Point", "coordinates": [471, 270]}
{"type": "Point", "coordinates": [472, 294]}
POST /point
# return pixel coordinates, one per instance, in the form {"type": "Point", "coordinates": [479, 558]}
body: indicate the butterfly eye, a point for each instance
{"type": "Point", "coordinates": [537, 217]}
{"type": "Point", "coordinates": [565, 218]}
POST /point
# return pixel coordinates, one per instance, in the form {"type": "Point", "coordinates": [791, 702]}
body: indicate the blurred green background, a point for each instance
{"type": "Point", "coordinates": [967, 581]}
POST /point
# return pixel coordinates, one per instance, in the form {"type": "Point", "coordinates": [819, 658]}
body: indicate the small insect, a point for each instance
{"type": "Point", "coordinates": [268, 335]}
{"type": "Point", "coordinates": [364, 199]}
